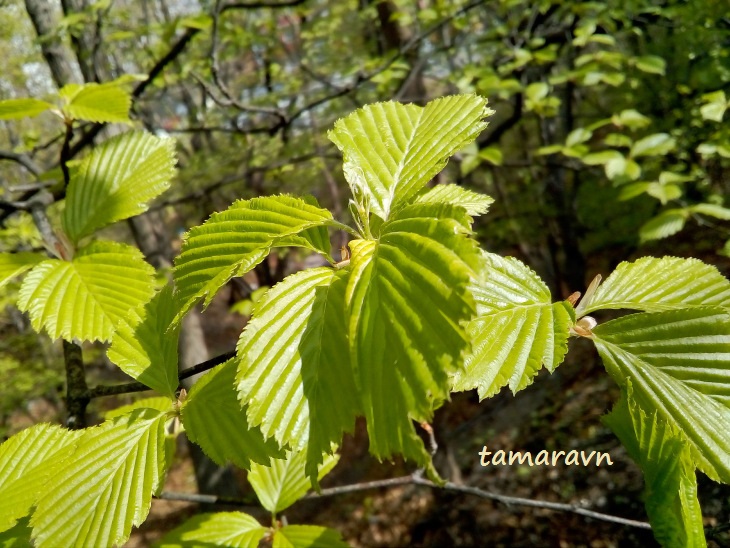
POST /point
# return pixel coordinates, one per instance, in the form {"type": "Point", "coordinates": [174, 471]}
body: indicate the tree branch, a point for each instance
{"type": "Point", "coordinates": [23, 160]}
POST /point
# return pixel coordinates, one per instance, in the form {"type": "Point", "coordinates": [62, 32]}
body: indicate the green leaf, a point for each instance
{"type": "Point", "coordinates": [14, 264]}
{"type": "Point", "coordinates": [116, 181]}
{"type": "Point", "coordinates": [657, 144]}
{"type": "Point", "coordinates": [17, 536]}
{"type": "Point", "coordinates": [578, 136]}
{"type": "Point", "coordinates": [97, 102]}
{"type": "Point", "coordinates": [654, 285]}
{"type": "Point", "coordinates": [96, 498]}
{"type": "Point", "coordinates": [678, 363]}
{"type": "Point", "coordinates": [28, 460]}
{"type": "Point", "coordinates": [234, 241]}
{"type": "Point", "coordinates": [474, 202]}
{"type": "Point", "coordinates": [147, 349]}
{"type": "Point", "coordinates": [651, 64]}
{"type": "Point", "coordinates": [714, 111]}
{"type": "Point", "coordinates": [712, 210]}
{"type": "Point", "coordinates": [392, 150]}
{"type": "Point", "coordinates": [517, 330]}
{"type": "Point", "coordinates": [493, 155]}
{"type": "Point", "coordinates": [284, 482]}
{"type": "Point", "coordinates": [408, 298]}
{"type": "Point", "coordinates": [631, 119]}
{"type": "Point", "coordinates": [158, 403]}
{"type": "Point", "coordinates": [294, 369]}
{"type": "Point", "coordinates": [665, 224]}
{"type": "Point", "coordinates": [87, 297]}
{"type": "Point", "coordinates": [307, 536]}
{"type": "Point", "coordinates": [670, 494]}
{"type": "Point", "coordinates": [11, 109]}
{"type": "Point", "coordinates": [223, 529]}
{"type": "Point", "coordinates": [214, 420]}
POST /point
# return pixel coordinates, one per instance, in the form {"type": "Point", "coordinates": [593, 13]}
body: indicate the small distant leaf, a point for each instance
{"type": "Point", "coordinates": [670, 493]}
{"type": "Point", "coordinates": [11, 109]}
{"type": "Point", "coordinates": [537, 91]}
{"type": "Point", "coordinates": [474, 203]}
{"type": "Point", "coordinates": [28, 460]}
{"type": "Point", "coordinates": [234, 241]}
{"type": "Point", "coordinates": [633, 190]}
{"type": "Point", "coordinates": [147, 349]}
{"type": "Point", "coordinates": [664, 193]}
{"type": "Point", "coordinates": [107, 487]}
{"type": "Point", "coordinates": [307, 536]}
{"type": "Point", "coordinates": [714, 110]}
{"type": "Point", "coordinates": [517, 330]}
{"type": "Point", "coordinates": [665, 224]}
{"type": "Point", "coordinates": [284, 482]}
{"type": "Point", "coordinates": [223, 529]}
{"type": "Point", "coordinates": [618, 140]}
{"type": "Point", "coordinates": [678, 363]}
{"type": "Point", "coordinates": [578, 136]}
{"type": "Point", "coordinates": [657, 144]}
{"type": "Point", "coordinates": [392, 150]}
{"type": "Point", "coordinates": [213, 419]}
{"type": "Point", "coordinates": [654, 285]}
{"type": "Point", "coordinates": [712, 210]}
{"type": "Point", "coordinates": [97, 102]}
{"type": "Point", "coordinates": [492, 155]}
{"type": "Point", "coordinates": [601, 158]}
{"type": "Point", "coordinates": [651, 64]}
{"type": "Point", "coordinates": [87, 297]}
{"type": "Point", "coordinates": [117, 181]}
{"type": "Point", "coordinates": [631, 119]}
{"type": "Point", "coordinates": [14, 264]}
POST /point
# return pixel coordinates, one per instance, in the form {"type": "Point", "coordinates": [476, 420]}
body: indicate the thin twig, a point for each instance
{"type": "Point", "coordinates": [23, 160]}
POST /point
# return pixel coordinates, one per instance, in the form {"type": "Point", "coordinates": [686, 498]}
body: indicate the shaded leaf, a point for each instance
{"type": "Point", "coordinates": [14, 264]}
{"type": "Point", "coordinates": [11, 109]}
{"type": "Point", "coordinates": [665, 224]}
{"type": "Point", "coordinates": [87, 297]}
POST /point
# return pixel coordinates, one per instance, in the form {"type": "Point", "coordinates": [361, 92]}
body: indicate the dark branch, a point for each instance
{"type": "Point", "coordinates": [23, 160]}
{"type": "Point", "coordinates": [261, 5]}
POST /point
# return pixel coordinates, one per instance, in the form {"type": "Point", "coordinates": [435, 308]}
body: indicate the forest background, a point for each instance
{"type": "Point", "coordinates": [607, 144]}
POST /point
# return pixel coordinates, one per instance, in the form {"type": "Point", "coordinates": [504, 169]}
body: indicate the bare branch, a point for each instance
{"type": "Point", "coordinates": [260, 5]}
{"type": "Point", "coordinates": [23, 160]}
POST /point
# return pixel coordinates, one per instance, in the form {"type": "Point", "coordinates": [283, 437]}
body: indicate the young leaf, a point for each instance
{"type": "Point", "coordinates": [223, 529]}
{"type": "Point", "coordinates": [474, 203]}
{"type": "Point", "coordinates": [653, 285]}
{"type": "Point", "coordinates": [14, 264]}
{"type": "Point", "coordinates": [234, 241]}
{"type": "Point", "coordinates": [670, 494]}
{"type": "Point", "coordinates": [106, 488]}
{"type": "Point", "coordinates": [392, 150]}
{"type": "Point", "coordinates": [657, 144]}
{"type": "Point", "coordinates": [678, 363]}
{"type": "Point", "coordinates": [28, 460]}
{"type": "Point", "coordinates": [517, 330]}
{"type": "Point", "coordinates": [97, 102]}
{"type": "Point", "coordinates": [214, 420]}
{"type": "Point", "coordinates": [87, 297]}
{"type": "Point", "coordinates": [665, 224]}
{"type": "Point", "coordinates": [158, 403]}
{"type": "Point", "coordinates": [407, 298]}
{"type": "Point", "coordinates": [147, 351]}
{"type": "Point", "coordinates": [20, 108]}
{"type": "Point", "coordinates": [284, 482]}
{"type": "Point", "coordinates": [294, 368]}
{"type": "Point", "coordinates": [116, 181]}
{"type": "Point", "coordinates": [307, 536]}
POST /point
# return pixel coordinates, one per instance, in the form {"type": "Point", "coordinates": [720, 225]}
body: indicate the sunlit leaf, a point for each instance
{"type": "Point", "coordinates": [223, 529]}
{"type": "Point", "coordinates": [665, 224]}
{"type": "Point", "coordinates": [307, 536]}
{"type": "Point", "coordinates": [14, 264]}
{"type": "Point", "coordinates": [20, 108]}
{"type": "Point", "coordinates": [97, 102]}
{"type": "Point", "coordinates": [392, 150]}
{"type": "Point", "coordinates": [117, 181]}
{"type": "Point", "coordinates": [678, 363]}
{"type": "Point", "coordinates": [474, 203]}
{"type": "Point", "coordinates": [653, 145]}
{"type": "Point", "coordinates": [87, 297]}
{"type": "Point", "coordinates": [214, 419]}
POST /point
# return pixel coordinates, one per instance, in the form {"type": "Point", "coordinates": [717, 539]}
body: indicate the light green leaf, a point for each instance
{"type": "Point", "coordinates": [654, 285]}
{"type": "Point", "coordinates": [633, 190]}
{"type": "Point", "coordinates": [492, 155]}
{"type": "Point", "coordinates": [158, 403]}
{"type": "Point", "coordinates": [146, 350]}
{"type": "Point", "coordinates": [392, 150]}
{"type": "Point", "coordinates": [663, 193]}
{"type": "Point", "coordinates": [223, 529]}
{"type": "Point", "coordinates": [474, 202]}
{"type": "Point", "coordinates": [97, 102]}
{"type": "Point", "coordinates": [670, 493]}
{"type": "Point", "coordinates": [601, 158]}
{"type": "Point", "coordinates": [517, 330]}
{"type": "Point", "coordinates": [87, 297]}
{"type": "Point", "coordinates": [657, 144]}
{"type": "Point", "coordinates": [578, 136]}
{"type": "Point", "coordinates": [678, 363]}
{"type": "Point", "coordinates": [665, 224]}
{"type": "Point", "coordinates": [284, 482]}
{"type": "Point", "coordinates": [631, 119]}
{"type": "Point", "coordinates": [116, 181]}
{"type": "Point", "coordinates": [294, 369]}
{"type": "Point", "coordinates": [713, 111]}
{"type": "Point", "coordinates": [234, 241]}
{"type": "Point", "coordinates": [713, 210]}
{"type": "Point", "coordinates": [11, 109]}
{"type": "Point", "coordinates": [651, 64]}
{"type": "Point", "coordinates": [408, 299]}
{"type": "Point", "coordinates": [14, 264]}
{"type": "Point", "coordinates": [96, 498]}
{"type": "Point", "coordinates": [214, 420]}
{"type": "Point", "coordinates": [537, 91]}
{"type": "Point", "coordinates": [307, 536]}
{"type": "Point", "coordinates": [28, 460]}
